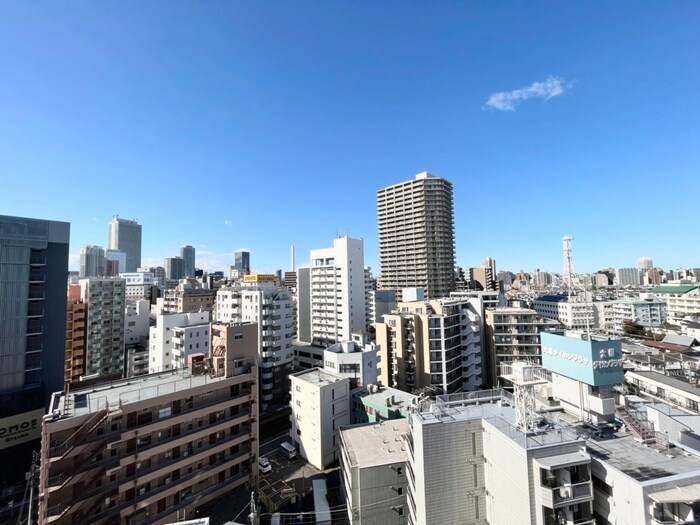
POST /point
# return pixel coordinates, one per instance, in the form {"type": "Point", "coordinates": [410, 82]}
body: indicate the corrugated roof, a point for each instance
{"type": "Point", "coordinates": [673, 289]}
{"type": "Point", "coordinates": [676, 339]}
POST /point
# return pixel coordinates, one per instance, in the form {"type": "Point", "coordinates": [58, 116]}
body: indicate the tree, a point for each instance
{"type": "Point", "coordinates": [633, 328]}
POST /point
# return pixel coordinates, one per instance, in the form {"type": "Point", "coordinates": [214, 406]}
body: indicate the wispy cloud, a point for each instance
{"type": "Point", "coordinates": [228, 223]}
{"type": "Point", "coordinates": [508, 100]}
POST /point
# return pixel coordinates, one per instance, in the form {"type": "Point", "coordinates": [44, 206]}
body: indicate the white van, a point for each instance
{"type": "Point", "coordinates": [288, 450]}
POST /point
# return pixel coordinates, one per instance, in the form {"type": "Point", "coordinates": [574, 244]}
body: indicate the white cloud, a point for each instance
{"type": "Point", "coordinates": [508, 100]}
{"type": "Point", "coordinates": [228, 223]}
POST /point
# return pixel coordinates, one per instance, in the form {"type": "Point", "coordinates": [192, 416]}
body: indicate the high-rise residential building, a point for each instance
{"type": "Point", "coordinates": [125, 235]}
{"type": "Point", "coordinates": [242, 262]}
{"type": "Point", "coordinates": [33, 274]}
{"type": "Point", "coordinates": [627, 277]}
{"type": "Point", "coordinates": [174, 268]}
{"type": "Point", "coordinates": [187, 255]}
{"type": "Point", "coordinates": [104, 349]}
{"type": "Point", "coordinates": [645, 263]}
{"type": "Point", "coordinates": [259, 300]}
{"type": "Point", "coordinates": [431, 346]}
{"type": "Point", "coordinates": [157, 448]}
{"type": "Point", "coordinates": [92, 261]}
{"type": "Point", "coordinates": [337, 291]}
{"type": "Point", "coordinates": [115, 263]}
{"type": "Point", "coordinates": [75, 335]}
{"type": "Point", "coordinates": [416, 236]}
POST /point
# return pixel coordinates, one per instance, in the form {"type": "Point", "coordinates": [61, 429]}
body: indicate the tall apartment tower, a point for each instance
{"type": "Point", "coordinates": [337, 291]}
{"type": "Point", "coordinates": [104, 348]}
{"type": "Point", "coordinates": [187, 255]}
{"type": "Point", "coordinates": [125, 235]}
{"type": "Point", "coordinates": [92, 261]}
{"type": "Point", "coordinates": [33, 273]}
{"type": "Point", "coordinates": [416, 236]}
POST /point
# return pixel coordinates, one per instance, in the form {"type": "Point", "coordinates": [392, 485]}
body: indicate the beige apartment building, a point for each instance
{"type": "Point", "coordinates": [432, 345]}
{"type": "Point", "coordinates": [157, 448]}
{"type": "Point", "coordinates": [416, 236]}
{"type": "Point", "coordinates": [187, 298]}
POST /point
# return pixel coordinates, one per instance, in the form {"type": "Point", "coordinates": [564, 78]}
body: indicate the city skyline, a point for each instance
{"type": "Point", "coordinates": [546, 123]}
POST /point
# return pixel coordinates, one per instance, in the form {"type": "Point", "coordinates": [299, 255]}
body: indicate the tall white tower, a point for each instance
{"type": "Point", "coordinates": [568, 263]}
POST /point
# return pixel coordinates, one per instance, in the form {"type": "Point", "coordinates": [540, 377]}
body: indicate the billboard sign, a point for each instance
{"type": "Point", "coordinates": [20, 428]}
{"type": "Point", "coordinates": [596, 363]}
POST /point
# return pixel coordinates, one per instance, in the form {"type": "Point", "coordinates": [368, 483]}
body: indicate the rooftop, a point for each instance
{"type": "Point", "coordinates": [318, 376]}
{"type": "Point", "coordinates": [116, 393]}
{"type": "Point", "coordinates": [674, 289]}
{"type": "Point", "coordinates": [375, 444]}
{"type": "Point", "coordinates": [672, 382]}
{"type": "Point", "coordinates": [397, 398]}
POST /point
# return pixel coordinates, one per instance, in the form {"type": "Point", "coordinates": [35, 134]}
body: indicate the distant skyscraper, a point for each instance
{"type": "Point", "coordinates": [125, 235]}
{"type": "Point", "coordinates": [416, 236]}
{"type": "Point", "coordinates": [92, 261]}
{"type": "Point", "coordinates": [645, 263]}
{"type": "Point", "coordinates": [174, 268]}
{"type": "Point", "coordinates": [627, 277]}
{"type": "Point", "coordinates": [115, 263]}
{"type": "Point", "coordinates": [187, 254]}
{"type": "Point", "coordinates": [242, 262]}
{"type": "Point", "coordinates": [33, 276]}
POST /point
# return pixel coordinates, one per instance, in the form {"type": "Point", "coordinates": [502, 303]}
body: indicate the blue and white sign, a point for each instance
{"type": "Point", "coordinates": [596, 363]}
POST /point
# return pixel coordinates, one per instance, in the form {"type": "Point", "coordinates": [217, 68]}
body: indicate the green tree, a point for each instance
{"type": "Point", "coordinates": [632, 328]}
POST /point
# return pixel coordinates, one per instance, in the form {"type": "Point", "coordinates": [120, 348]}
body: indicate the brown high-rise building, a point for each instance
{"type": "Point", "coordinates": [416, 236]}
{"type": "Point", "coordinates": [76, 313]}
{"type": "Point", "coordinates": [158, 448]}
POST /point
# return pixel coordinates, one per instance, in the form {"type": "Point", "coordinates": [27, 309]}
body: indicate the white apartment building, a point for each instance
{"type": "Point", "coordinates": [357, 361]}
{"type": "Point", "coordinates": [169, 337]}
{"type": "Point", "coordinates": [104, 347]}
{"type": "Point", "coordinates": [573, 315]}
{"type": "Point", "coordinates": [681, 300]}
{"type": "Point", "coordinates": [647, 313]}
{"type": "Point", "coordinates": [337, 297]}
{"type": "Point", "coordinates": [272, 309]}
{"type": "Point", "coordinates": [320, 404]}
{"type": "Point", "coordinates": [136, 321]}
{"type": "Point", "coordinates": [373, 466]}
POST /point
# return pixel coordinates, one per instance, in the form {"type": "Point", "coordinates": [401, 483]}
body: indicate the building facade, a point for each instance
{"type": "Point", "coordinates": [242, 262]}
{"type": "Point", "coordinates": [92, 262]}
{"type": "Point", "coordinates": [106, 302]}
{"type": "Point", "coordinates": [416, 236]}
{"type": "Point", "coordinates": [187, 255]}
{"type": "Point", "coordinates": [431, 345]}
{"type": "Point", "coordinates": [320, 406]}
{"type": "Point", "coordinates": [647, 313]}
{"type": "Point", "coordinates": [681, 301]}
{"type": "Point", "coordinates": [337, 292]}
{"type": "Point", "coordinates": [153, 449]}
{"type": "Point", "coordinates": [176, 336]}
{"type": "Point", "coordinates": [125, 236]}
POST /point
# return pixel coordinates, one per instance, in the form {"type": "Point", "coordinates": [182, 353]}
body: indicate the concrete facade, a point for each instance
{"type": "Point", "coordinates": [125, 236]}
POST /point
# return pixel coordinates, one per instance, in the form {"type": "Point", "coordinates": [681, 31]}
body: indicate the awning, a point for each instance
{"type": "Point", "coordinates": [686, 494]}
{"type": "Point", "coordinates": [563, 460]}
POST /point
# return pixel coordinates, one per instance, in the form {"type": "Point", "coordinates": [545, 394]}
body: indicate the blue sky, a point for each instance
{"type": "Point", "coordinates": [259, 125]}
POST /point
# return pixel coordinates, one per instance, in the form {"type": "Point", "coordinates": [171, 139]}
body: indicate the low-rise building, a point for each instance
{"type": "Point", "coordinates": [573, 314]}
{"type": "Point", "coordinates": [648, 313]}
{"type": "Point", "coordinates": [320, 407]}
{"type": "Point", "coordinates": [358, 361]}
{"type": "Point", "coordinates": [682, 300]}
{"type": "Point", "coordinates": [373, 466]}
{"type": "Point", "coordinates": [174, 337]}
{"type": "Point", "coordinates": [380, 403]}
{"type": "Point", "coordinates": [188, 296]}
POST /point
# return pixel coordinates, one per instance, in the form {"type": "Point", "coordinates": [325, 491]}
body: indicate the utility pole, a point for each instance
{"type": "Point", "coordinates": [253, 516]}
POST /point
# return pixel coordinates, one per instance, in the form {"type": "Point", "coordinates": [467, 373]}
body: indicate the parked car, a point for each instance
{"type": "Point", "coordinates": [264, 465]}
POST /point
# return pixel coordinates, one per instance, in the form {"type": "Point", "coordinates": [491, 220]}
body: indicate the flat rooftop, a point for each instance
{"type": "Point", "coordinates": [375, 444]}
{"type": "Point", "coordinates": [397, 398]}
{"type": "Point", "coordinates": [318, 376]}
{"type": "Point", "coordinates": [672, 382]}
{"type": "Point", "coordinates": [113, 394]}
